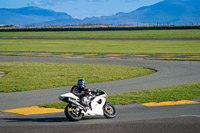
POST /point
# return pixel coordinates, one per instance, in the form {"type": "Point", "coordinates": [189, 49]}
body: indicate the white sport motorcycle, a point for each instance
{"type": "Point", "coordinates": [98, 106]}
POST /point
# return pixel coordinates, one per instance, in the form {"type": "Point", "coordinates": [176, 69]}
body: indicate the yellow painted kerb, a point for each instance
{"type": "Point", "coordinates": [170, 103]}
{"type": "Point", "coordinates": [194, 56]}
{"type": "Point", "coordinates": [68, 54]}
{"type": "Point", "coordinates": [33, 110]}
{"type": "Point", "coordinates": [140, 55]}
{"type": "Point", "coordinates": [45, 53]}
{"type": "Point", "coordinates": [90, 54]}
{"type": "Point", "coordinates": [113, 55]}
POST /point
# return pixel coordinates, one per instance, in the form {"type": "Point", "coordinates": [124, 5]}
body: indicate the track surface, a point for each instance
{"type": "Point", "coordinates": [182, 118]}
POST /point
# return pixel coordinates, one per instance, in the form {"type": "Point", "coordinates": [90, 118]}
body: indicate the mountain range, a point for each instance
{"type": "Point", "coordinates": [178, 12]}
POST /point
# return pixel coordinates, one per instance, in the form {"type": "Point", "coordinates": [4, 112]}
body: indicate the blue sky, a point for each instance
{"type": "Point", "coordinates": [81, 8]}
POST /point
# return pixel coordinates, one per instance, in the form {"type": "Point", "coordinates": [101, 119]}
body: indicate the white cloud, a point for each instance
{"type": "Point", "coordinates": [34, 3]}
{"type": "Point", "coordinates": [48, 2]}
{"type": "Point", "coordinates": [58, 2]}
{"type": "Point", "coordinates": [133, 0]}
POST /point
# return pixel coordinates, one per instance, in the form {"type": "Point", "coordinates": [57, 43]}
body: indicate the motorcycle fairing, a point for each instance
{"type": "Point", "coordinates": [66, 95]}
{"type": "Point", "coordinates": [97, 107]}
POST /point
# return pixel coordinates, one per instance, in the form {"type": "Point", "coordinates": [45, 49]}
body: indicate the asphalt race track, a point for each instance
{"type": "Point", "coordinates": [130, 118]}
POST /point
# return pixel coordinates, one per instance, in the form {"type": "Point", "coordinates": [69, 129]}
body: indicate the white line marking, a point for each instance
{"type": "Point", "coordinates": [191, 115]}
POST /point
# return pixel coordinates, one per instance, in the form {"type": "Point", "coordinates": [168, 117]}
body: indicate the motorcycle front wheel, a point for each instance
{"type": "Point", "coordinates": [109, 110]}
{"type": "Point", "coordinates": [73, 113]}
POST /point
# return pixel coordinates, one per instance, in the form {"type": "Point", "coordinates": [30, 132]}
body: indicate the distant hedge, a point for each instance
{"type": "Point", "coordinates": [96, 28]}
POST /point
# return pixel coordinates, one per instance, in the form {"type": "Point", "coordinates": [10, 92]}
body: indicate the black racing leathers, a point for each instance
{"type": "Point", "coordinates": [83, 94]}
{"type": "Point", "coordinates": [80, 92]}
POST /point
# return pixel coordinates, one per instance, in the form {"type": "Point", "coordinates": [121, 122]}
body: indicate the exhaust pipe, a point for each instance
{"type": "Point", "coordinates": [75, 102]}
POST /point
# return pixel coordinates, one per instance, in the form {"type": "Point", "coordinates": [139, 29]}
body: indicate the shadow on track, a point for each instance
{"type": "Point", "coordinates": [47, 120]}
{"type": "Point", "coordinates": [53, 119]}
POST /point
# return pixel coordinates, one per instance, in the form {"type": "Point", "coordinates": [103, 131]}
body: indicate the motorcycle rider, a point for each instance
{"type": "Point", "coordinates": [81, 91]}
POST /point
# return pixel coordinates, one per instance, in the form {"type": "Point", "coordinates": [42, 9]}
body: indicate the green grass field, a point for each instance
{"type": "Point", "coordinates": [193, 33]}
{"type": "Point", "coordinates": [24, 76]}
{"type": "Point", "coordinates": [103, 46]}
{"type": "Point", "coordinates": [174, 93]}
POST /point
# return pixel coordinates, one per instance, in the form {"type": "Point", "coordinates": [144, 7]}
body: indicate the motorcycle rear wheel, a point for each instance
{"type": "Point", "coordinates": [109, 110]}
{"type": "Point", "coordinates": [72, 114]}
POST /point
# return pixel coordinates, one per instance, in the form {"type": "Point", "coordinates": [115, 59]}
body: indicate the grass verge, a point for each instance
{"type": "Point", "coordinates": [175, 93]}
{"type": "Point", "coordinates": [187, 33]}
{"type": "Point", "coordinates": [24, 76]}
{"type": "Point", "coordinates": [103, 46]}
